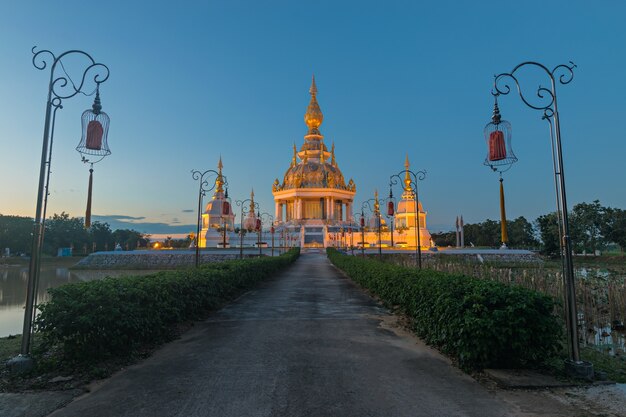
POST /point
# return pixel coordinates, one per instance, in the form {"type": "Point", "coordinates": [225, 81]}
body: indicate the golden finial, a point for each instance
{"type": "Point", "coordinates": [294, 160]}
{"type": "Point", "coordinates": [407, 178]}
{"type": "Point", "coordinates": [313, 116]}
{"type": "Point", "coordinates": [332, 155]}
{"type": "Point", "coordinates": [313, 89]}
{"type": "Point", "coordinates": [219, 181]}
{"type": "Point", "coordinates": [252, 201]}
{"type": "Point", "coordinates": [376, 203]}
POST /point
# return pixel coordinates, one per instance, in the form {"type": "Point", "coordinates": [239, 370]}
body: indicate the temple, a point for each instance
{"type": "Point", "coordinates": [314, 204]}
{"type": "Point", "coordinates": [313, 197]}
{"type": "Point", "coordinates": [218, 217]}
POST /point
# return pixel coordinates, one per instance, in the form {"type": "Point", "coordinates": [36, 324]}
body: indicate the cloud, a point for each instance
{"type": "Point", "coordinates": [122, 222]}
{"type": "Point", "coordinates": [120, 217]}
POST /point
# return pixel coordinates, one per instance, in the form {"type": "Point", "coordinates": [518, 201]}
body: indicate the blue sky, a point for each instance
{"type": "Point", "coordinates": [193, 80]}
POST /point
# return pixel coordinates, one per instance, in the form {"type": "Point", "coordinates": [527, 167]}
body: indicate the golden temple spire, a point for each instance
{"type": "Point", "coordinates": [407, 178]}
{"type": "Point", "coordinates": [376, 203]}
{"type": "Point", "coordinates": [313, 89]}
{"type": "Point", "coordinates": [294, 160]}
{"type": "Point", "coordinates": [332, 155]}
{"type": "Point", "coordinates": [219, 181]}
{"type": "Point", "coordinates": [313, 116]}
{"type": "Point", "coordinates": [252, 201]}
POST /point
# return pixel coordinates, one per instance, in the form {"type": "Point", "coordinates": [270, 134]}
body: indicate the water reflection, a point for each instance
{"type": "Point", "coordinates": [14, 280]}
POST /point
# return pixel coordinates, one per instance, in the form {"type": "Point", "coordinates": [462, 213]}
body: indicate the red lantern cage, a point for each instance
{"type": "Point", "coordinates": [498, 138]}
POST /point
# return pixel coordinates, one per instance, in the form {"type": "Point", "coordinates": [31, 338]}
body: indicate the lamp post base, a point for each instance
{"type": "Point", "coordinates": [579, 370]}
{"type": "Point", "coordinates": [20, 364]}
{"type": "Point", "coordinates": [504, 246]}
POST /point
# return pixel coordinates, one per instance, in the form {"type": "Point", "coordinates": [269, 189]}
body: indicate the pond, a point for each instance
{"type": "Point", "coordinates": [13, 282]}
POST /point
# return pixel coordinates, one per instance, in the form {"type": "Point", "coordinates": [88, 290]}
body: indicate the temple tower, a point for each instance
{"type": "Point", "coordinates": [313, 198]}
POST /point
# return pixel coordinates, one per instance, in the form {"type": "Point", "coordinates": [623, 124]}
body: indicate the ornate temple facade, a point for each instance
{"type": "Point", "coordinates": [314, 203]}
{"type": "Point", "coordinates": [218, 217]}
{"type": "Point", "coordinates": [313, 196]}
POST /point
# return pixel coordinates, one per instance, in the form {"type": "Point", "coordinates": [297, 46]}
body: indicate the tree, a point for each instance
{"type": "Point", "coordinates": [586, 226]}
{"type": "Point", "coordinates": [521, 233]}
{"type": "Point", "coordinates": [101, 235]}
{"type": "Point", "coordinates": [127, 238]}
{"type": "Point", "coordinates": [548, 227]}
{"type": "Point", "coordinates": [63, 231]}
{"type": "Point", "coordinates": [16, 233]}
{"type": "Point", "coordinates": [614, 226]}
{"type": "Point", "coordinates": [444, 238]}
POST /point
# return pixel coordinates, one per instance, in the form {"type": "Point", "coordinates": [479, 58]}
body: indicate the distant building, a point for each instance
{"type": "Point", "coordinates": [218, 217]}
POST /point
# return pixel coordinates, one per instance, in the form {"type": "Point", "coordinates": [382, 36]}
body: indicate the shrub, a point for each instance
{"type": "Point", "coordinates": [115, 316]}
{"type": "Point", "coordinates": [481, 323]}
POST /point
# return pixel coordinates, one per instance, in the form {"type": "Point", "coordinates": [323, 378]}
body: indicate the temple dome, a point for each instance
{"type": "Point", "coordinates": [313, 166]}
{"type": "Point", "coordinates": [313, 174]}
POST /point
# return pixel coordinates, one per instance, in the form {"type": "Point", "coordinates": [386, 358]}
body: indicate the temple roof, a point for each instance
{"type": "Point", "coordinates": [310, 166]}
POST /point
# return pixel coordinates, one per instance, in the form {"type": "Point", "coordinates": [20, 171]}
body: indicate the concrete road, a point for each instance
{"type": "Point", "coordinates": [306, 343]}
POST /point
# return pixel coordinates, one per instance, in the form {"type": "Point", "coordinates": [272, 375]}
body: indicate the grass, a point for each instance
{"type": "Point", "coordinates": [9, 347]}
{"type": "Point", "coordinates": [614, 366]}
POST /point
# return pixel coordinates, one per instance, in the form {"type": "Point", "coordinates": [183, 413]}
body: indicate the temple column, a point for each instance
{"type": "Point", "coordinates": [277, 211]}
{"type": "Point", "coordinates": [331, 208]}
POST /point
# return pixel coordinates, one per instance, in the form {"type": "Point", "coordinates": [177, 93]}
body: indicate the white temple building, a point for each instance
{"type": "Point", "coordinates": [218, 217]}
{"type": "Point", "coordinates": [313, 196]}
{"type": "Point", "coordinates": [315, 204]}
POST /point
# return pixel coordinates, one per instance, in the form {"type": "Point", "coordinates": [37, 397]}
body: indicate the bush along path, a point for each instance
{"type": "Point", "coordinates": [479, 323]}
{"type": "Point", "coordinates": [115, 318]}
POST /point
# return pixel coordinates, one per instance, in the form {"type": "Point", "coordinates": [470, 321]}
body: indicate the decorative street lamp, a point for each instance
{"type": "Point", "coordinates": [225, 212]}
{"type": "Point", "coordinates": [93, 146]}
{"type": "Point", "coordinates": [410, 183]}
{"type": "Point", "coordinates": [60, 87]}
{"type": "Point", "coordinates": [259, 230]}
{"type": "Point", "coordinates": [390, 212]}
{"type": "Point", "coordinates": [362, 224]}
{"type": "Point", "coordinates": [272, 230]}
{"type": "Point", "coordinates": [564, 73]}
{"type": "Point", "coordinates": [204, 183]}
{"type": "Point", "coordinates": [375, 209]}
{"type": "Point", "coordinates": [244, 211]}
{"type": "Point", "coordinates": [500, 157]}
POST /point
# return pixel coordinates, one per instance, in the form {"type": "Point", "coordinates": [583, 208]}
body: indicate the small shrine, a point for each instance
{"type": "Point", "coordinates": [218, 218]}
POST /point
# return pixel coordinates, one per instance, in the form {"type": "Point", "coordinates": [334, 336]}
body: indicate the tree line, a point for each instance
{"type": "Point", "coordinates": [63, 231]}
{"type": "Point", "coordinates": [592, 227]}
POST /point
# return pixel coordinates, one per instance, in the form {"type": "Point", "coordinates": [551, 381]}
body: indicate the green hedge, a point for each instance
{"type": "Point", "coordinates": [481, 323]}
{"type": "Point", "coordinates": [115, 316]}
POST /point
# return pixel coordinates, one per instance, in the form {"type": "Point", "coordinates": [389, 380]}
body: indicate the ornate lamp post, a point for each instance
{"type": "Point", "coordinates": [548, 105]}
{"type": "Point", "coordinates": [375, 209]}
{"type": "Point", "coordinates": [244, 211]}
{"type": "Point", "coordinates": [259, 230]}
{"type": "Point", "coordinates": [202, 190]}
{"type": "Point", "coordinates": [500, 157]}
{"type": "Point", "coordinates": [225, 211]}
{"type": "Point", "coordinates": [390, 211]}
{"type": "Point", "coordinates": [362, 225]}
{"type": "Point", "coordinates": [60, 87]}
{"type": "Point", "coordinates": [410, 183]}
{"type": "Point", "coordinates": [272, 230]}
